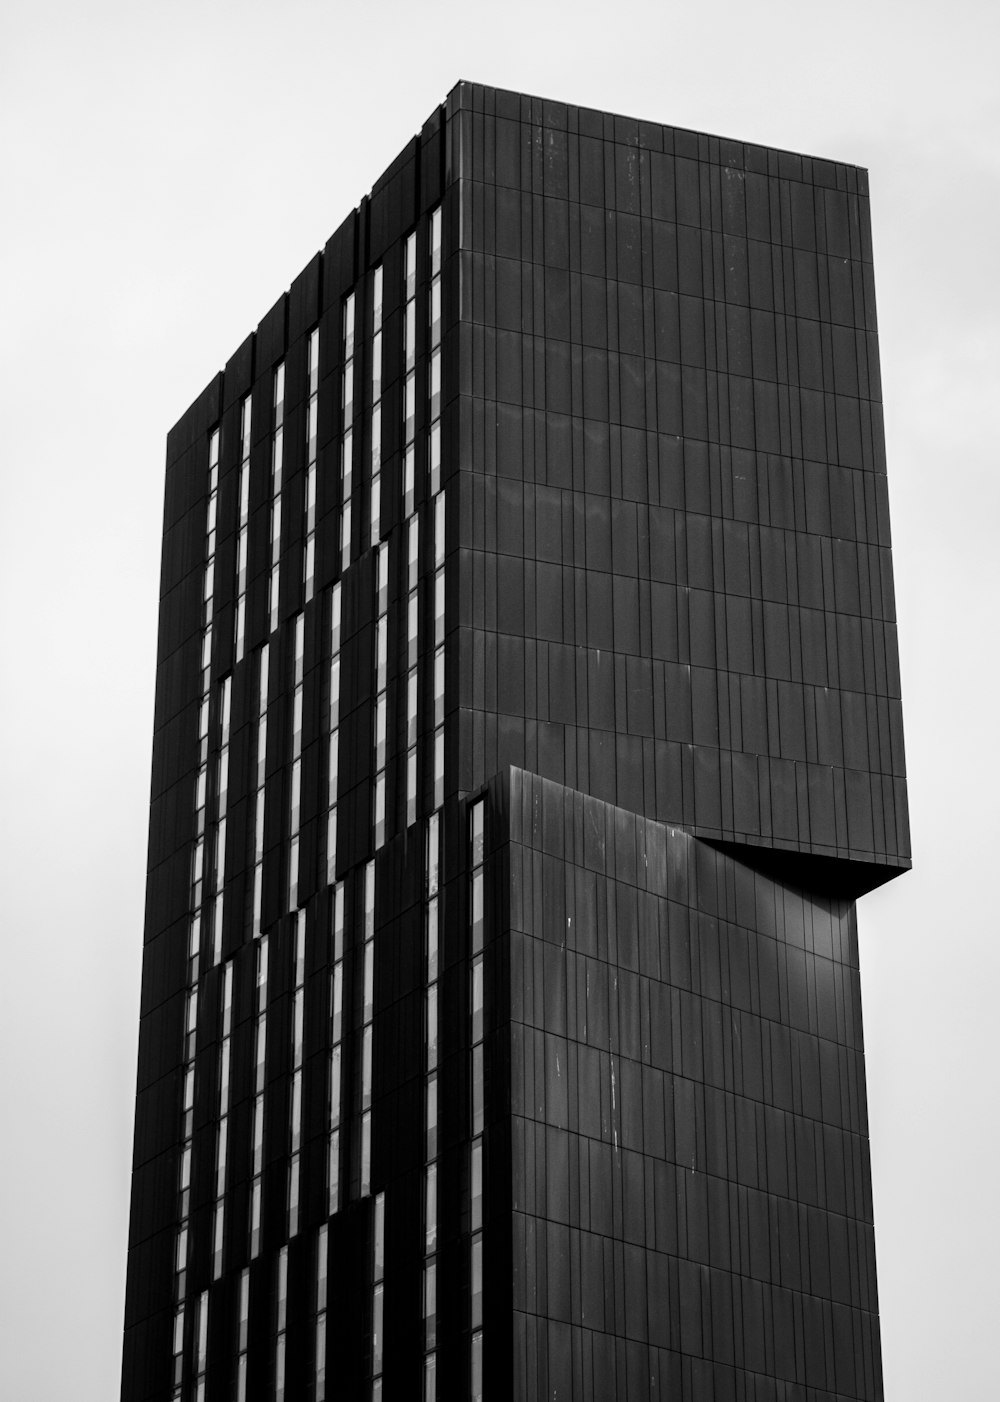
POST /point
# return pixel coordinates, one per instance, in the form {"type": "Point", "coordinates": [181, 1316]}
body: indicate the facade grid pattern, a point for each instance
{"type": "Point", "coordinates": [528, 724]}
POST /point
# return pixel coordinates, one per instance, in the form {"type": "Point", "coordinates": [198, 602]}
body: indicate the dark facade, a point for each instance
{"type": "Point", "coordinates": [527, 726]}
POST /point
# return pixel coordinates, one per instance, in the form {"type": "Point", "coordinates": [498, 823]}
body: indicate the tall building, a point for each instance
{"type": "Point", "coordinates": [527, 726]}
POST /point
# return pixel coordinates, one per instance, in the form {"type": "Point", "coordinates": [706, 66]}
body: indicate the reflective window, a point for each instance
{"type": "Point", "coordinates": [277, 460]}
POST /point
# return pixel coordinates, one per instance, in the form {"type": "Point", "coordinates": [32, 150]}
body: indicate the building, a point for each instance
{"type": "Point", "coordinates": [527, 726]}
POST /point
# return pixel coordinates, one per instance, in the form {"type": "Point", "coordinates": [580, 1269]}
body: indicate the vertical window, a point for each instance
{"type": "Point", "coordinates": [281, 1325]}
{"type": "Point", "coordinates": [277, 463]}
{"type": "Point", "coordinates": [221, 811]}
{"type": "Point", "coordinates": [378, 1279]}
{"type": "Point", "coordinates": [376, 415]}
{"type": "Point", "coordinates": [258, 795]}
{"type": "Point", "coordinates": [201, 1346]}
{"type": "Point", "coordinates": [295, 774]}
{"type": "Point", "coordinates": [242, 1335]}
{"type": "Point", "coordinates": [477, 1109]}
{"type": "Point", "coordinates": [298, 1047]}
{"type": "Point", "coordinates": [177, 1350]}
{"type": "Point", "coordinates": [319, 1351]}
{"type": "Point", "coordinates": [476, 1367]}
{"type": "Point", "coordinates": [347, 439]}
{"type": "Point", "coordinates": [222, 1129]}
{"type": "Point", "coordinates": [336, 1059]}
{"type": "Point", "coordinates": [367, 1028]}
{"type": "Point", "coordinates": [433, 867]}
{"type": "Point", "coordinates": [242, 539]}
{"type": "Point", "coordinates": [437, 498]}
{"type": "Point", "coordinates": [333, 735]}
{"type": "Point", "coordinates": [381, 689]}
{"type": "Point", "coordinates": [257, 1107]}
{"type": "Point", "coordinates": [413, 523]}
{"type": "Point", "coordinates": [312, 438]}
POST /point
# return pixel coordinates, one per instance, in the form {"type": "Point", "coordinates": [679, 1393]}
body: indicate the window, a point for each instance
{"type": "Point", "coordinates": [312, 435]}
{"type": "Point", "coordinates": [277, 462]}
{"type": "Point", "coordinates": [347, 438]}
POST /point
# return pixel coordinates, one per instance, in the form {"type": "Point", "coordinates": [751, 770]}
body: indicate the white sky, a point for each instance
{"type": "Point", "coordinates": [167, 169]}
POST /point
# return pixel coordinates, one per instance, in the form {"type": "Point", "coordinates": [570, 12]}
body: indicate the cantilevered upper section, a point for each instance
{"type": "Point", "coordinates": [676, 579]}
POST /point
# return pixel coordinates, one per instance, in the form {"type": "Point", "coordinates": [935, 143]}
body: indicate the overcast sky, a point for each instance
{"type": "Point", "coordinates": [167, 170]}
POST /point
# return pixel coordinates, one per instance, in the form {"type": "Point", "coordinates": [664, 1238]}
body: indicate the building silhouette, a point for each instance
{"type": "Point", "coordinates": [527, 726]}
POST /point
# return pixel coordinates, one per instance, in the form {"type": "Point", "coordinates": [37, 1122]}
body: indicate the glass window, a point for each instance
{"type": "Point", "coordinates": [333, 1171]}
{"type": "Point", "coordinates": [298, 1010]}
{"type": "Point", "coordinates": [411, 706]}
{"type": "Point", "coordinates": [411, 786]}
{"type": "Point", "coordinates": [477, 911]}
{"type": "Point", "coordinates": [334, 717]}
{"type": "Point", "coordinates": [432, 1027]}
{"type": "Point", "coordinates": [369, 979]}
{"type": "Point", "coordinates": [477, 999]}
{"type": "Point", "coordinates": [430, 1304]}
{"type": "Point", "coordinates": [349, 326]}
{"type": "Point", "coordinates": [381, 652]}
{"type": "Point", "coordinates": [478, 1107]}
{"type": "Point", "coordinates": [410, 264]}
{"type": "Point", "coordinates": [337, 1001]}
{"type": "Point", "coordinates": [348, 392]}
{"type": "Point", "coordinates": [322, 1262]}
{"type": "Point", "coordinates": [438, 768]}
{"type": "Point", "coordinates": [224, 1060]}
{"type": "Point", "coordinates": [335, 618]}
{"type": "Point", "coordinates": [432, 940]}
{"type": "Point", "coordinates": [409, 341]}
{"type": "Point", "coordinates": [379, 807]}
{"type": "Point", "coordinates": [347, 465]}
{"type": "Point", "coordinates": [476, 1185]}
{"type": "Point", "coordinates": [430, 1209]}
{"type": "Point", "coordinates": [476, 1362]}
{"type": "Point", "coordinates": [476, 1282]}
{"type": "Point", "coordinates": [366, 1152]}
{"type": "Point", "coordinates": [439, 529]}
{"type": "Point", "coordinates": [380, 729]}
{"type": "Point", "coordinates": [439, 687]}
{"type": "Point", "coordinates": [478, 821]}
{"type": "Point", "coordinates": [314, 360]}
{"type": "Point", "coordinates": [335, 1085]}
{"type": "Point", "coordinates": [376, 437]}
{"type": "Point", "coordinates": [377, 281]}
{"type": "Point", "coordinates": [436, 241]}
{"type": "Point", "coordinates": [366, 1066]}
{"type": "Point", "coordinates": [382, 585]}
{"type": "Point", "coordinates": [377, 1303]}
{"type": "Point", "coordinates": [378, 1236]}
{"type": "Point", "coordinates": [434, 458]}
{"type": "Point", "coordinates": [439, 607]}
{"type": "Point", "coordinates": [345, 536]}
{"type": "Point", "coordinates": [412, 552]}
{"type": "Point", "coordinates": [435, 316]}
{"type": "Point", "coordinates": [432, 1116]}
{"type": "Point", "coordinates": [409, 477]}
{"type": "Point", "coordinates": [338, 921]}
{"type": "Point", "coordinates": [433, 853]}
{"type": "Point", "coordinates": [377, 365]}
{"type": "Point", "coordinates": [370, 901]}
